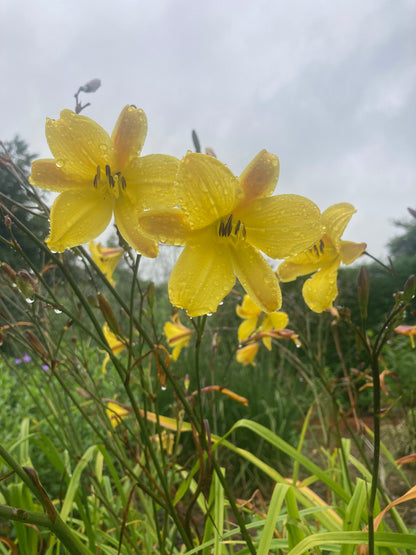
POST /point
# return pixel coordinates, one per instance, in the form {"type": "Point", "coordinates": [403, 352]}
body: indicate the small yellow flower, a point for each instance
{"type": "Point", "coordinates": [177, 334]}
{"type": "Point", "coordinates": [324, 258]}
{"type": "Point", "coordinates": [247, 354]}
{"type": "Point", "coordinates": [106, 258]}
{"type": "Point", "coordinates": [114, 343]}
{"type": "Point", "coordinates": [410, 331]}
{"type": "Point", "coordinates": [98, 175]}
{"type": "Point", "coordinates": [256, 321]}
{"type": "Point", "coordinates": [116, 413]}
{"type": "Point", "coordinates": [224, 223]}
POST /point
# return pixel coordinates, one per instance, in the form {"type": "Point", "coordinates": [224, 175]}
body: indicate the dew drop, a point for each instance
{"type": "Point", "coordinates": [209, 313]}
{"type": "Point", "coordinates": [60, 163]}
{"type": "Point", "coordinates": [297, 346]}
{"type": "Point", "coordinates": [57, 311]}
{"type": "Point", "coordinates": [221, 303]}
{"type": "Point", "coordinates": [29, 300]}
{"type": "Point", "coordinates": [163, 388]}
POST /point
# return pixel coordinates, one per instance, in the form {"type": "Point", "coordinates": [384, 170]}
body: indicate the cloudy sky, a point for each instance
{"type": "Point", "coordinates": [329, 86]}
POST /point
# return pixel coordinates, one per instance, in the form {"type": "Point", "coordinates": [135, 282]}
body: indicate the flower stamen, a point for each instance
{"type": "Point", "coordinates": [226, 229]}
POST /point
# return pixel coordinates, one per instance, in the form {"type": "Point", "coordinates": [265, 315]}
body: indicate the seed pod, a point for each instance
{"type": "Point", "coordinates": [108, 314]}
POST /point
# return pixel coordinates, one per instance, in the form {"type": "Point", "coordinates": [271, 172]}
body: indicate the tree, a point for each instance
{"type": "Point", "coordinates": [17, 196]}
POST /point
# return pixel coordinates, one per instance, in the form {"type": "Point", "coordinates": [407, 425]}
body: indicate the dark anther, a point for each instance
{"type": "Point", "coordinates": [107, 171]}
{"type": "Point", "coordinates": [123, 183]}
{"type": "Point", "coordinates": [96, 178]}
{"type": "Point", "coordinates": [237, 227]}
{"type": "Point", "coordinates": [98, 172]}
{"type": "Point", "coordinates": [221, 231]}
{"type": "Point", "coordinates": [228, 226]}
{"type": "Point", "coordinates": [321, 246]}
{"type": "Point", "coordinates": [111, 180]}
{"type": "Point", "coordinates": [315, 248]}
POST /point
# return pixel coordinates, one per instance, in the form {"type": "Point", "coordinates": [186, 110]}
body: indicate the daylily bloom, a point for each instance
{"type": "Point", "coordinates": [114, 343]}
{"type": "Point", "coordinates": [410, 331]}
{"type": "Point", "coordinates": [247, 354]}
{"type": "Point", "coordinates": [178, 335]}
{"type": "Point", "coordinates": [97, 175]}
{"type": "Point", "coordinates": [324, 258]}
{"type": "Point", "coordinates": [224, 223]}
{"type": "Point", "coordinates": [256, 321]}
{"type": "Point", "coordinates": [106, 258]}
{"type": "Point", "coordinates": [116, 413]}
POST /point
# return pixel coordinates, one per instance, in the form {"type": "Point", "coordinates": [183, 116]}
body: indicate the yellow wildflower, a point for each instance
{"type": "Point", "coordinates": [324, 258]}
{"type": "Point", "coordinates": [97, 175]}
{"type": "Point", "coordinates": [410, 331]}
{"type": "Point", "coordinates": [116, 413]}
{"type": "Point", "coordinates": [114, 343]}
{"type": "Point", "coordinates": [224, 223]}
{"type": "Point", "coordinates": [256, 321]}
{"type": "Point", "coordinates": [247, 354]}
{"type": "Point", "coordinates": [106, 258]}
{"type": "Point", "coordinates": [177, 334]}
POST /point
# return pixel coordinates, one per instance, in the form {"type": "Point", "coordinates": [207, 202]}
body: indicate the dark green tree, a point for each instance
{"type": "Point", "coordinates": [18, 196]}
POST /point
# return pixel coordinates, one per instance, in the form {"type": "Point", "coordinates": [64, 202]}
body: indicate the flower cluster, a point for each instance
{"type": "Point", "coordinates": [225, 223]}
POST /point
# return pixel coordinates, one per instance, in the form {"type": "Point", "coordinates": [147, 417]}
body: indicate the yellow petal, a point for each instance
{"type": "Point", "coordinates": [206, 189]}
{"type": "Point", "coordinates": [246, 354]}
{"type": "Point", "coordinates": [321, 290]}
{"type": "Point", "coordinates": [256, 276]}
{"type": "Point", "coordinates": [169, 226]}
{"type": "Point", "coordinates": [150, 181]}
{"type": "Point", "coordinates": [350, 251]}
{"type": "Point", "coordinates": [336, 218]}
{"type": "Point", "coordinates": [202, 276]}
{"type": "Point", "coordinates": [46, 175]}
{"type": "Point", "coordinates": [127, 221]}
{"type": "Point", "coordinates": [246, 328]}
{"type": "Point", "coordinates": [260, 177]}
{"type": "Point", "coordinates": [105, 258]}
{"type": "Point", "coordinates": [79, 145]}
{"type": "Point", "coordinates": [275, 320]}
{"type": "Point", "coordinates": [248, 308]}
{"type": "Point", "coordinates": [77, 217]}
{"type": "Point", "coordinates": [282, 225]}
{"type": "Point", "coordinates": [129, 134]}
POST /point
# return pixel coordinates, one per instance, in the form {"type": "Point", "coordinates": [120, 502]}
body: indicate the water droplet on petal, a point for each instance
{"type": "Point", "coordinates": [60, 163]}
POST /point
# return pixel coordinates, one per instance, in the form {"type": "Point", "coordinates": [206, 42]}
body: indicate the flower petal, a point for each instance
{"type": "Point", "coordinates": [129, 134]}
{"type": "Point", "coordinates": [256, 276]}
{"type": "Point", "coordinates": [46, 175]}
{"type": "Point", "coordinates": [246, 328]}
{"type": "Point", "coordinates": [350, 251]}
{"type": "Point", "coordinates": [282, 225]}
{"type": "Point", "coordinates": [127, 220]}
{"type": "Point", "coordinates": [79, 145]}
{"type": "Point", "coordinates": [248, 308]}
{"type": "Point", "coordinates": [206, 189]}
{"type": "Point", "coordinates": [77, 217]}
{"type": "Point", "coordinates": [275, 320]}
{"type": "Point", "coordinates": [321, 290]}
{"type": "Point", "coordinates": [260, 177]}
{"type": "Point", "coordinates": [321, 254]}
{"type": "Point", "coordinates": [169, 226]}
{"type": "Point", "coordinates": [150, 181]}
{"type": "Point", "coordinates": [202, 276]}
{"type": "Point", "coordinates": [247, 354]}
{"type": "Point", "coordinates": [336, 218]}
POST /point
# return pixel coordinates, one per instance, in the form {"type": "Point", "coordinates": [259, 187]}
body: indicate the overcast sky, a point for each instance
{"type": "Point", "coordinates": [328, 86]}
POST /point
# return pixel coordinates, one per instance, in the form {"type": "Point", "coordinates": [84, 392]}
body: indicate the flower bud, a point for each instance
{"type": "Point", "coordinates": [7, 221]}
{"type": "Point", "coordinates": [91, 86]}
{"type": "Point", "coordinates": [108, 314]}
{"type": "Point", "coordinates": [36, 344]}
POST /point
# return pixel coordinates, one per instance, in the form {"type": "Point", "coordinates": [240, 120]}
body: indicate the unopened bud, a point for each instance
{"type": "Point", "coordinates": [92, 300]}
{"type": "Point", "coordinates": [7, 221]}
{"type": "Point", "coordinates": [409, 289]}
{"type": "Point", "coordinates": [36, 344]}
{"type": "Point", "coordinates": [91, 86]}
{"type": "Point", "coordinates": [8, 273]}
{"type": "Point", "coordinates": [108, 314]}
{"type": "Point", "coordinates": [26, 283]}
{"type": "Point", "coordinates": [363, 290]}
{"type": "Point", "coordinates": [150, 293]}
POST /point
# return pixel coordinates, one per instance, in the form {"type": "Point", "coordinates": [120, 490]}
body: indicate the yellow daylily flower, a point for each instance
{"type": "Point", "coordinates": [247, 354]}
{"type": "Point", "coordinates": [178, 335]}
{"type": "Point", "coordinates": [116, 413]}
{"type": "Point", "coordinates": [256, 321]}
{"type": "Point", "coordinates": [410, 331]}
{"type": "Point", "coordinates": [98, 175]}
{"type": "Point", "coordinates": [224, 223]}
{"type": "Point", "coordinates": [106, 258]}
{"type": "Point", "coordinates": [114, 343]}
{"type": "Point", "coordinates": [324, 258]}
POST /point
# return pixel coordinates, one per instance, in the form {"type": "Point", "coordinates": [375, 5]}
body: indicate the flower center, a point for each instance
{"type": "Point", "coordinates": [233, 229]}
{"type": "Point", "coordinates": [110, 182]}
{"type": "Point", "coordinates": [318, 249]}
